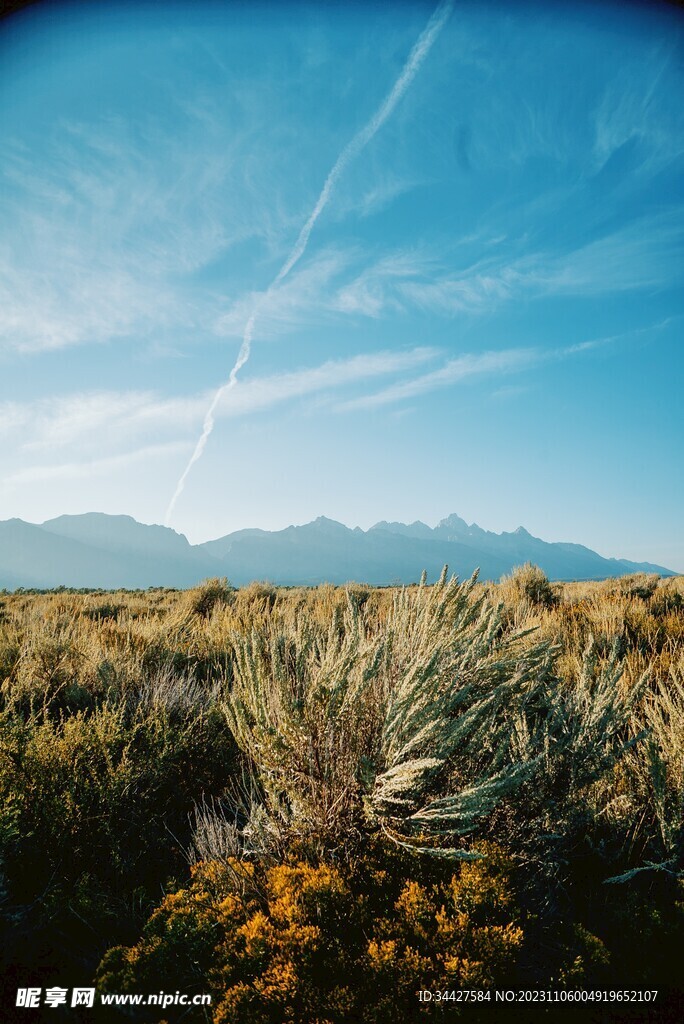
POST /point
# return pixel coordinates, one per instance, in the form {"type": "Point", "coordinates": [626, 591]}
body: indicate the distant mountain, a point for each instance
{"type": "Point", "coordinates": [111, 533]}
{"type": "Point", "coordinates": [326, 551]}
{"type": "Point", "coordinates": [389, 552]}
{"type": "Point", "coordinates": [101, 551]}
{"type": "Point", "coordinates": [559, 561]}
{"type": "Point", "coordinates": [97, 550]}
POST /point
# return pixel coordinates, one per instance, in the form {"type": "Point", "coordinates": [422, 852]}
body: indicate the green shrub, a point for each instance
{"type": "Point", "coordinates": [343, 721]}
{"type": "Point", "coordinates": [530, 584]}
{"type": "Point", "coordinates": [103, 795]}
{"type": "Point", "coordinates": [209, 595]}
{"type": "Point", "coordinates": [641, 585]}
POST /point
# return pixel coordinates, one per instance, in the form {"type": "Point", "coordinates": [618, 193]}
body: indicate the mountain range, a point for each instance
{"type": "Point", "coordinates": [95, 550]}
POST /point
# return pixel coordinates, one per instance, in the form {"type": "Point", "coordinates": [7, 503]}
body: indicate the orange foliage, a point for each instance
{"type": "Point", "coordinates": [322, 944]}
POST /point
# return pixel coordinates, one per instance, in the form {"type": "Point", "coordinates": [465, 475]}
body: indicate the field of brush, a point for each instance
{"type": "Point", "coordinates": [313, 804]}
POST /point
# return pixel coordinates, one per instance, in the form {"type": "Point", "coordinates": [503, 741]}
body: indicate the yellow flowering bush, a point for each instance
{"type": "Point", "coordinates": [322, 942]}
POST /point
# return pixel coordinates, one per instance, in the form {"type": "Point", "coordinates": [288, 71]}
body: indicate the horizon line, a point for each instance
{"type": "Point", "coordinates": [519, 529]}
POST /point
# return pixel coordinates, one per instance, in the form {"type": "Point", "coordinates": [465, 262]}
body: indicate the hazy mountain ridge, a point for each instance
{"type": "Point", "coordinates": [102, 551]}
{"type": "Point", "coordinates": [98, 551]}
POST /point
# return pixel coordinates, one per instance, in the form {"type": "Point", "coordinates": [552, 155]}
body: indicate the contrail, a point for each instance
{"type": "Point", "coordinates": [351, 150]}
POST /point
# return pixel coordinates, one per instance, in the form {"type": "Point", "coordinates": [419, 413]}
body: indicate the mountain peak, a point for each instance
{"type": "Point", "coordinates": [91, 517]}
{"type": "Point", "coordinates": [330, 525]}
{"type": "Point", "coordinates": [416, 529]}
{"type": "Point", "coordinates": [112, 531]}
{"type": "Point", "coordinates": [97, 550]}
{"type": "Point", "coordinates": [453, 522]}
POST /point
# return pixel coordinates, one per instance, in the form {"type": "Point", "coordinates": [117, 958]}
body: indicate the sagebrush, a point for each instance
{"type": "Point", "coordinates": [456, 784]}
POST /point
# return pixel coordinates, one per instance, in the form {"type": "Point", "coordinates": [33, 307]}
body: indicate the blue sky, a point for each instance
{"type": "Point", "coordinates": [487, 314]}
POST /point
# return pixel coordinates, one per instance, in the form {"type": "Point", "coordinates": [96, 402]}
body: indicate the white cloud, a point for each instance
{"type": "Point", "coordinates": [378, 288]}
{"type": "Point", "coordinates": [106, 421]}
{"type": "Point", "coordinates": [646, 254]}
{"type": "Point", "coordinates": [107, 226]}
{"type": "Point", "coordinates": [479, 289]}
{"type": "Point", "coordinates": [96, 419]}
{"type": "Point", "coordinates": [254, 394]}
{"type": "Point", "coordinates": [92, 467]}
{"type": "Point", "coordinates": [304, 297]}
{"type": "Point", "coordinates": [635, 107]}
{"type": "Point", "coordinates": [485, 363]}
{"type": "Point", "coordinates": [642, 255]}
{"type": "Point", "coordinates": [330, 286]}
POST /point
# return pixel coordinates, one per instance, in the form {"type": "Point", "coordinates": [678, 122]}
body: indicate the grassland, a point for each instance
{"type": "Point", "coordinates": [314, 803]}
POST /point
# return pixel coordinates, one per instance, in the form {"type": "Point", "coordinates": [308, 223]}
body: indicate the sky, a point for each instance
{"type": "Point", "coordinates": [447, 240]}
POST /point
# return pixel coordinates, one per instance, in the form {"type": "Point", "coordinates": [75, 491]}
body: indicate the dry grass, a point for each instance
{"type": "Point", "coordinates": [137, 729]}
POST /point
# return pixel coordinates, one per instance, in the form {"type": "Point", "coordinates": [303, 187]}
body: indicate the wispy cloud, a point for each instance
{"type": "Point", "coordinates": [380, 287]}
{"type": "Point", "coordinates": [646, 254]}
{"type": "Point", "coordinates": [98, 421]}
{"type": "Point", "coordinates": [94, 420]}
{"type": "Point", "coordinates": [634, 108]}
{"type": "Point", "coordinates": [85, 470]}
{"type": "Point", "coordinates": [486, 364]}
{"type": "Point", "coordinates": [110, 223]}
{"type": "Point", "coordinates": [382, 194]}
{"type": "Point", "coordinates": [353, 148]}
{"type": "Point", "coordinates": [331, 286]}
{"type": "Point", "coordinates": [42, 311]}
{"type": "Point", "coordinates": [335, 284]}
{"type": "Point", "coordinates": [256, 394]}
{"type": "Point", "coordinates": [306, 297]}
{"type": "Point", "coordinates": [452, 372]}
